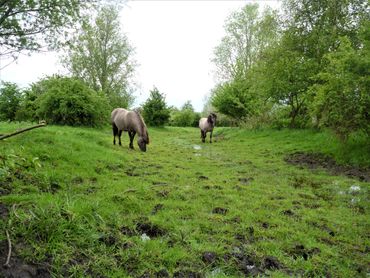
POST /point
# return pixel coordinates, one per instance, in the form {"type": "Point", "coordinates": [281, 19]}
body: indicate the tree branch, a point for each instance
{"type": "Point", "coordinates": [22, 130]}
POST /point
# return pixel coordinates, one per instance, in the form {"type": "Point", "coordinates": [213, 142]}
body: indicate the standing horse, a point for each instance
{"type": "Point", "coordinates": [207, 124]}
{"type": "Point", "coordinates": [131, 121]}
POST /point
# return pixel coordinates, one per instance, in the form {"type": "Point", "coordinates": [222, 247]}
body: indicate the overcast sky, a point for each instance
{"type": "Point", "coordinates": [173, 41]}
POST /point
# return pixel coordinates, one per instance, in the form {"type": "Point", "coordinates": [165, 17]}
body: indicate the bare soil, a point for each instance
{"type": "Point", "coordinates": [319, 160]}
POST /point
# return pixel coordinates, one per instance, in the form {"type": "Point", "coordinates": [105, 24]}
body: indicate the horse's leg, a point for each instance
{"type": "Point", "coordinates": [119, 137]}
{"type": "Point", "coordinates": [115, 132]}
{"type": "Point", "coordinates": [210, 136]}
{"type": "Point", "coordinates": [132, 135]}
{"type": "Point", "coordinates": [203, 136]}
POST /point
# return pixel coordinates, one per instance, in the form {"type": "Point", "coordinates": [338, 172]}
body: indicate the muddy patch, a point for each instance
{"type": "Point", "coordinates": [4, 212]}
{"type": "Point", "coordinates": [159, 183]}
{"type": "Point", "coordinates": [150, 229]}
{"type": "Point", "coordinates": [209, 257]}
{"type": "Point", "coordinates": [17, 267]}
{"type": "Point", "coordinates": [186, 274]}
{"type": "Point", "coordinates": [300, 251]}
{"type": "Point", "coordinates": [246, 181]}
{"type": "Point", "coordinates": [131, 172]}
{"type": "Point", "coordinates": [319, 160]}
{"type": "Point", "coordinates": [157, 208]}
{"type": "Point", "coordinates": [219, 210]}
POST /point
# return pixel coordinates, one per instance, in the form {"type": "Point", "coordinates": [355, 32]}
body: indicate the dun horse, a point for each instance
{"type": "Point", "coordinates": [207, 125]}
{"type": "Point", "coordinates": [131, 121]}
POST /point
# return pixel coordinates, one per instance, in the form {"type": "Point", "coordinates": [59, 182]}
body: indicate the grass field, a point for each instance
{"type": "Point", "coordinates": [74, 204]}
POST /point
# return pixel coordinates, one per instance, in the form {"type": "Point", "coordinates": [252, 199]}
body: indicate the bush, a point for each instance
{"type": "Point", "coordinates": [10, 98]}
{"type": "Point", "coordinates": [185, 117]}
{"type": "Point", "coordinates": [69, 101]}
{"type": "Point", "coordinates": [155, 110]}
{"type": "Point", "coordinates": [232, 99]}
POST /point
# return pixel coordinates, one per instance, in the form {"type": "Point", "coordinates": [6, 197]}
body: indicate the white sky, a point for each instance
{"type": "Point", "coordinates": [173, 41]}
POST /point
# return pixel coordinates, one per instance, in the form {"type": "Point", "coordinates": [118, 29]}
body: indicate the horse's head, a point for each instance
{"type": "Point", "coordinates": [143, 141]}
{"type": "Point", "coordinates": [212, 118]}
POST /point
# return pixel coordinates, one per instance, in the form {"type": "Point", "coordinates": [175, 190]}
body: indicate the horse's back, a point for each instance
{"type": "Point", "coordinates": [118, 117]}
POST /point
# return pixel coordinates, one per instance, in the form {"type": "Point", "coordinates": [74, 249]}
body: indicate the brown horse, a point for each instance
{"type": "Point", "coordinates": [207, 125]}
{"type": "Point", "coordinates": [132, 122]}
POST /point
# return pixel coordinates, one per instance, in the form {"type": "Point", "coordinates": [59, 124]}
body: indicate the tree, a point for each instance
{"type": "Point", "coordinates": [68, 101]}
{"type": "Point", "coordinates": [247, 35]}
{"type": "Point", "coordinates": [10, 98]}
{"type": "Point", "coordinates": [232, 99]}
{"type": "Point", "coordinates": [285, 77]}
{"type": "Point", "coordinates": [30, 25]}
{"type": "Point", "coordinates": [341, 95]}
{"type": "Point", "coordinates": [155, 110]}
{"type": "Point", "coordinates": [101, 56]}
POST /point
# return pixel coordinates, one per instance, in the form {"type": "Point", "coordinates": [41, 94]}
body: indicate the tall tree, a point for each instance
{"type": "Point", "coordinates": [30, 25]}
{"type": "Point", "coordinates": [247, 34]}
{"type": "Point", "coordinates": [342, 98]}
{"type": "Point", "coordinates": [102, 56]}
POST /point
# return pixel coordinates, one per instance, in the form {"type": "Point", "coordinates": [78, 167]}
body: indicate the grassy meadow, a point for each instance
{"type": "Point", "coordinates": [75, 205]}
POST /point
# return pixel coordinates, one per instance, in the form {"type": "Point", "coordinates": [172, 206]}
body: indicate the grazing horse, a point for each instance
{"type": "Point", "coordinates": [207, 124]}
{"type": "Point", "coordinates": [131, 121]}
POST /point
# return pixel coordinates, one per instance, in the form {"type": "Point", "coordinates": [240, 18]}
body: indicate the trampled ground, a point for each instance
{"type": "Point", "coordinates": [74, 204]}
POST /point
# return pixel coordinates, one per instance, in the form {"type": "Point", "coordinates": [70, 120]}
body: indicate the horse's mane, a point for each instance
{"type": "Point", "coordinates": [143, 129]}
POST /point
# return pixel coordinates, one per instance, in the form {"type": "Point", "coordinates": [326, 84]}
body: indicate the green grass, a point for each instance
{"type": "Point", "coordinates": [80, 204]}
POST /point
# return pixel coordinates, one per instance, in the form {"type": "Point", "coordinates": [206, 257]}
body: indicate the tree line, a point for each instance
{"type": "Point", "coordinates": [307, 66]}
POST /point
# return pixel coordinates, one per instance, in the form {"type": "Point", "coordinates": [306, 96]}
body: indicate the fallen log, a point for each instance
{"type": "Point", "coordinates": [22, 130]}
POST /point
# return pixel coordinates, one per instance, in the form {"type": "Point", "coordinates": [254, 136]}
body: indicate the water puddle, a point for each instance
{"type": "Point", "coordinates": [197, 147]}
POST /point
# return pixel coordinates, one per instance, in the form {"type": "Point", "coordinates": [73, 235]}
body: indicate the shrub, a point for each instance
{"type": "Point", "coordinates": [185, 117]}
{"type": "Point", "coordinates": [69, 101]}
{"type": "Point", "coordinates": [155, 110]}
{"type": "Point", "coordinates": [10, 98]}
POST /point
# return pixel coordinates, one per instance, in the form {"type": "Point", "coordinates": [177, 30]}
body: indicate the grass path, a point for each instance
{"type": "Point", "coordinates": [83, 207]}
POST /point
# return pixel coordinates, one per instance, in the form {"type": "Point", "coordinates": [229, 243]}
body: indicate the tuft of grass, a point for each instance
{"type": "Point", "coordinates": [84, 207]}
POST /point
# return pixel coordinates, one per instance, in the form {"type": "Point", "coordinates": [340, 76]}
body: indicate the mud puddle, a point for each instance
{"type": "Point", "coordinates": [319, 160]}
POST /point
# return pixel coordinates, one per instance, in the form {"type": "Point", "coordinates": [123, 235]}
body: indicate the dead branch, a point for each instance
{"type": "Point", "coordinates": [7, 265]}
{"type": "Point", "coordinates": [22, 130]}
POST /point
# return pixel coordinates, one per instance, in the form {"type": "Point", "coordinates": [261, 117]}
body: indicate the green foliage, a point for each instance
{"type": "Point", "coordinates": [288, 71]}
{"type": "Point", "coordinates": [247, 35]}
{"type": "Point", "coordinates": [28, 105]}
{"type": "Point", "coordinates": [102, 56]}
{"type": "Point", "coordinates": [186, 116]}
{"type": "Point", "coordinates": [285, 79]}
{"type": "Point", "coordinates": [155, 110]}
{"type": "Point", "coordinates": [69, 101]}
{"type": "Point", "coordinates": [30, 25]}
{"type": "Point", "coordinates": [341, 96]}
{"type": "Point", "coordinates": [10, 98]}
{"type": "Point", "coordinates": [233, 99]}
